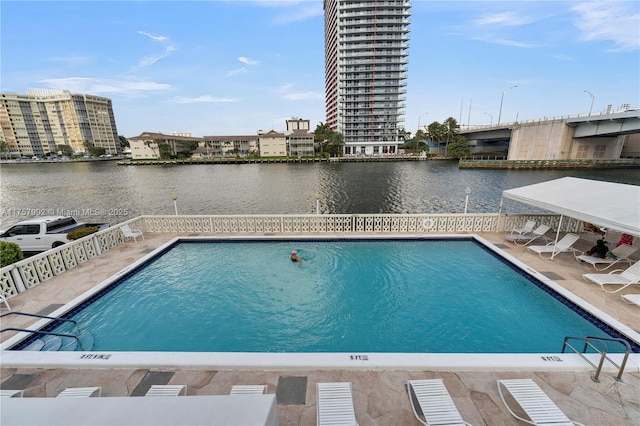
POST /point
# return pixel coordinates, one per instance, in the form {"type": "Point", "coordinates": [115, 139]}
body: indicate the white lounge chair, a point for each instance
{"type": "Point", "coordinates": [434, 402]}
{"type": "Point", "coordinates": [528, 227]}
{"type": "Point", "coordinates": [167, 390]}
{"type": "Point", "coordinates": [535, 403]}
{"type": "Point", "coordinates": [633, 299]}
{"type": "Point", "coordinates": [616, 255]}
{"type": "Point", "coordinates": [4, 300]}
{"type": "Point", "coordinates": [629, 276]}
{"type": "Point", "coordinates": [131, 233]}
{"type": "Point", "coordinates": [80, 392]}
{"type": "Point", "coordinates": [11, 393]}
{"type": "Point", "coordinates": [335, 404]}
{"type": "Point", "coordinates": [248, 390]}
{"type": "Point", "coordinates": [555, 248]}
{"type": "Point", "coordinates": [528, 238]}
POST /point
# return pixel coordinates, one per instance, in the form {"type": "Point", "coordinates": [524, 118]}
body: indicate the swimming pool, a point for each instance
{"type": "Point", "coordinates": [352, 296]}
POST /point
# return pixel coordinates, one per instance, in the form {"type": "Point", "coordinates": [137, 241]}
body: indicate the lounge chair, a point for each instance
{"type": "Point", "coordinates": [633, 299]}
{"type": "Point", "coordinates": [11, 393]}
{"type": "Point", "coordinates": [528, 227]}
{"type": "Point", "coordinates": [534, 402]}
{"type": "Point", "coordinates": [555, 248]}
{"type": "Point", "coordinates": [616, 255]}
{"type": "Point", "coordinates": [526, 239]}
{"type": "Point", "coordinates": [248, 390]}
{"type": "Point", "coordinates": [80, 392]}
{"type": "Point", "coordinates": [131, 233]}
{"type": "Point", "coordinates": [434, 402]}
{"type": "Point", "coordinates": [625, 278]}
{"type": "Point", "coordinates": [167, 390]}
{"type": "Point", "coordinates": [4, 300]}
{"type": "Point", "coordinates": [335, 404]}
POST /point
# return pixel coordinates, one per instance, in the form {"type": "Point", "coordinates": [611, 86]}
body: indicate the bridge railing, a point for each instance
{"type": "Point", "coordinates": [25, 274]}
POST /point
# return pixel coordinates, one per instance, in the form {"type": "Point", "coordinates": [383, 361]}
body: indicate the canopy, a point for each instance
{"type": "Point", "coordinates": [606, 204]}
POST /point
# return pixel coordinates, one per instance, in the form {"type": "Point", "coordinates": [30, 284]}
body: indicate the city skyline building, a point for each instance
{"type": "Point", "coordinates": [366, 57]}
{"type": "Point", "coordinates": [34, 124]}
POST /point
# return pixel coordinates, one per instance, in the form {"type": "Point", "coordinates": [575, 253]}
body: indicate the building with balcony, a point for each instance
{"type": "Point", "coordinates": [366, 51]}
{"type": "Point", "coordinates": [36, 123]}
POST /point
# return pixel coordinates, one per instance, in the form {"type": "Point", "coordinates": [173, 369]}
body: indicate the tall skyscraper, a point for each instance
{"type": "Point", "coordinates": [366, 49]}
{"type": "Point", "coordinates": [36, 123]}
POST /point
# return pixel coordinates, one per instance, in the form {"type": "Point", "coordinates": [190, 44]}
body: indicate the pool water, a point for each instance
{"type": "Point", "coordinates": [345, 296]}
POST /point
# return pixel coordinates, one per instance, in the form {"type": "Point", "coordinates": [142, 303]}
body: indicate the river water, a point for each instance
{"type": "Point", "coordinates": [106, 192]}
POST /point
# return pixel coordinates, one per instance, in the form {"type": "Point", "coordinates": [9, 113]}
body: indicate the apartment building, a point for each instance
{"type": "Point", "coordinates": [154, 145]}
{"type": "Point", "coordinates": [35, 123]}
{"type": "Point", "coordinates": [299, 141]}
{"type": "Point", "coordinates": [366, 51]}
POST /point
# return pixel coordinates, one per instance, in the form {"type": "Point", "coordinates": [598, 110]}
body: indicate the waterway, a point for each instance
{"type": "Point", "coordinates": [105, 192]}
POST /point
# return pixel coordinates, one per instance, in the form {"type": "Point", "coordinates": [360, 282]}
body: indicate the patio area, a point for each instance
{"type": "Point", "coordinates": [380, 396]}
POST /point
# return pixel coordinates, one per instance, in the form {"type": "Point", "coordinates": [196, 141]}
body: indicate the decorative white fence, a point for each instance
{"type": "Point", "coordinates": [21, 276]}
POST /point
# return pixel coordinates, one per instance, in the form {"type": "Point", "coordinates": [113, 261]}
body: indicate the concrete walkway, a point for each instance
{"type": "Point", "coordinates": [380, 396]}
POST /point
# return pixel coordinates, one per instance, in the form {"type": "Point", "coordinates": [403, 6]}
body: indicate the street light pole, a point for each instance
{"type": "Point", "coordinates": [467, 192]}
{"type": "Point", "coordinates": [174, 197]}
{"type": "Point", "coordinates": [317, 203]}
{"type": "Point", "coordinates": [593, 98]}
{"type": "Point", "coordinates": [502, 100]}
{"type": "Point", "coordinates": [491, 123]}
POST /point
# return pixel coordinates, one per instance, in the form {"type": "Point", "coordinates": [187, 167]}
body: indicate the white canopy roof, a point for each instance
{"type": "Point", "coordinates": [608, 205]}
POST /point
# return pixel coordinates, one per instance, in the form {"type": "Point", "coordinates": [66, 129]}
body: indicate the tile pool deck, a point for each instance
{"type": "Point", "coordinates": [380, 396]}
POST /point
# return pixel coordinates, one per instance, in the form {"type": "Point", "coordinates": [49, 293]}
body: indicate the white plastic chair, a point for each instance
{"type": "Point", "coordinates": [11, 393]}
{"type": "Point", "coordinates": [167, 390]}
{"type": "Point", "coordinates": [633, 299]}
{"type": "Point", "coordinates": [80, 392]}
{"type": "Point", "coordinates": [616, 255]}
{"type": "Point", "coordinates": [528, 227]}
{"type": "Point", "coordinates": [4, 300]}
{"type": "Point", "coordinates": [564, 244]}
{"type": "Point", "coordinates": [335, 404]}
{"type": "Point", "coordinates": [434, 402]}
{"type": "Point", "coordinates": [535, 403]}
{"type": "Point", "coordinates": [630, 276]}
{"type": "Point", "coordinates": [248, 390]}
{"type": "Point", "coordinates": [131, 233]}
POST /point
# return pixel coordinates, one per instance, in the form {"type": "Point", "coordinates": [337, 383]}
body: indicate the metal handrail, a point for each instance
{"type": "Point", "coordinates": [603, 355]}
{"type": "Point", "coordinates": [38, 316]}
{"type": "Point", "coordinates": [49, 333]}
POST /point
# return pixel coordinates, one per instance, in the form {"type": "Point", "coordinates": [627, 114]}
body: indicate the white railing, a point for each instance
{"type": "Point", "coordinates": [27, 273]}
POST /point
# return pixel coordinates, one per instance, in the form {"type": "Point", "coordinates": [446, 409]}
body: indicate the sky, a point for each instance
{"type": "Point", "coordinates": [237, 67]}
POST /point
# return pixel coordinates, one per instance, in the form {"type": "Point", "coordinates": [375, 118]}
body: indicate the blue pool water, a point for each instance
{"type": "Point", "coordinates": [346, 296]}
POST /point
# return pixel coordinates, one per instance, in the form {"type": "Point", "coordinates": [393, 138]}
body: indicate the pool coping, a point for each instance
{"type": "Point", "coordinates": [318, 361]}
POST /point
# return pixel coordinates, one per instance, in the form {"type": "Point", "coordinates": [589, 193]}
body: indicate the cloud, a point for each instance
{"type": "Point", "coordinates": [72, 60]}
{"type": "Point", "coordinates": [247, 61]}
{"type": "Point", "coordinates": [509, 19]}
{"type": "Point", "coordinates": [103, 85]}
{"type": "Point", "coordinates": [203, 99]}
{"type": "Point", "coordinates": [506, 42]}
{"type": "Point", "coordinates": [152, 59]}
{"type": "Point", "coordinates": [612, 21]}
{"type": "Point", "coordinates": [236, 72]}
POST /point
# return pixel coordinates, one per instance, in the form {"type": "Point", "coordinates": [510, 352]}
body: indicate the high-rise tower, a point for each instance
{"type": "Point", "coordinates": [366, 43]}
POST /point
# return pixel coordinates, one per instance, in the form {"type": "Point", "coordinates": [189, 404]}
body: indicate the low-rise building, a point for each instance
{"type": "Point", "coordinates": [150, 145]}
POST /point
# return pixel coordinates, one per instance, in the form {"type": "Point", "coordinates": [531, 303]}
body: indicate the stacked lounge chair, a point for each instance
{"type": "Point", "coordinates": [335, 404]}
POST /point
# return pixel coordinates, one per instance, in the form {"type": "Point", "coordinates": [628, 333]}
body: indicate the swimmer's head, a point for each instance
{"type": "Point", "coordinates": [294, 252]}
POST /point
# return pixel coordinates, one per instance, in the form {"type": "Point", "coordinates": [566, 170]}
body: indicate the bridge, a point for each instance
{"type": "Point", "coordinates": [606, 135]}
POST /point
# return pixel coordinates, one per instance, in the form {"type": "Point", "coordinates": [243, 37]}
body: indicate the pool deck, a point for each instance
{"type": "Point", "coordinates": [379, 395]}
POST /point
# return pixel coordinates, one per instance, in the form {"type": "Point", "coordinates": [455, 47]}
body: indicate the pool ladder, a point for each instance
{"type": "Point", "coordinates": [40, 332]}
{"type": "Point", "coordinates": [589, 343]}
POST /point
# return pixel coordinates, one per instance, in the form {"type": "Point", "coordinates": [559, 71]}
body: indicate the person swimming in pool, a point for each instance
{"type": "Point", "coordinates": [294, 256]}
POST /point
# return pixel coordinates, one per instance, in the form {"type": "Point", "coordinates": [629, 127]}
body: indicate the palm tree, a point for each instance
{"type": "Point", "coordinates": [435, 132]}
{"type": "Point", "coordinates": [450, 127]}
